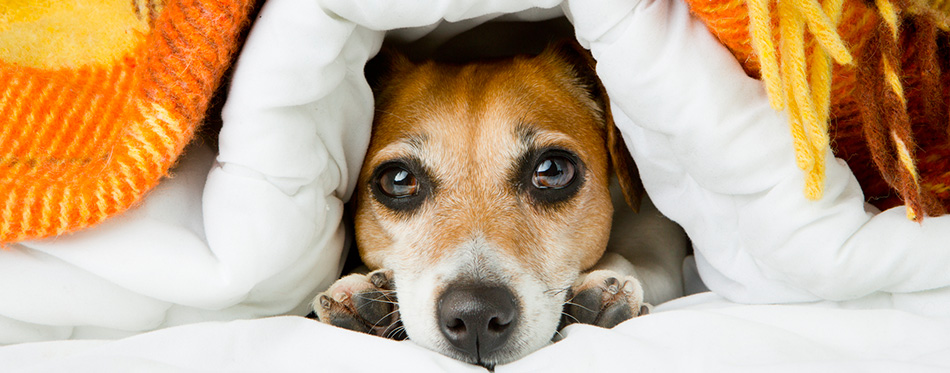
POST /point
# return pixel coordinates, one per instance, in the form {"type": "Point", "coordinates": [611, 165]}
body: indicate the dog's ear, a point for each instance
{"type": "Point", "coordinates": [620, 160]}
{"type": "Point", "coordinates": [385, 66]}
{"type": "Point", "coordinates": [627, 173]}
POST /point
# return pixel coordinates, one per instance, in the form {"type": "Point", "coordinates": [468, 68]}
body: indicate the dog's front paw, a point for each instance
{"type": "Point", "coordinates": [364, 303]}
{"type": "Point", "coordinates": [604, 298]}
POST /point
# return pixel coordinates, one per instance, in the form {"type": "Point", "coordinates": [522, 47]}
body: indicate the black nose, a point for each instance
{"type": "Point", "coordinates": [477, 319]}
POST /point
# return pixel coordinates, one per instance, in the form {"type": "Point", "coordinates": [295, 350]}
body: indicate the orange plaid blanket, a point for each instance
{"type": "Point", "coordinates": [98, 100]}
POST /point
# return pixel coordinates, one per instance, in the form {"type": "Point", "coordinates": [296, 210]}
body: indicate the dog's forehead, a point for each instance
{"type": "Point", "coordinates": [491, 111]}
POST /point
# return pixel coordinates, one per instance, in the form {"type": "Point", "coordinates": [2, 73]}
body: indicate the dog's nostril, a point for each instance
{"type": "Point", "coordinates": [456, 326]}
{"type": "Point", "coordinates": [497, 326]}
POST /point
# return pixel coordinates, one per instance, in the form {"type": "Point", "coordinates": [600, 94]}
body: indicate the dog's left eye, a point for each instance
{"type": "Point", "coordinates": [553, 172]}
{"type": "Point", "coordinates": [397, 182]}
{"type": "Point", "coordinates": [401, 185]}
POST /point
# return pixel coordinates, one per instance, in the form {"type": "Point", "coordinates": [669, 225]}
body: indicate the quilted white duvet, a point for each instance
{"type": "Point", "coordinates": [255, 230]}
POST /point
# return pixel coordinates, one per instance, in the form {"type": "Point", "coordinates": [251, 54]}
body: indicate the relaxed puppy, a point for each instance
{"type": "Point", "coordinates": [483, 209]}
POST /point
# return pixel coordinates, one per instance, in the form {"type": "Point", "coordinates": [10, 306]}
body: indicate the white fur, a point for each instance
{"type": "Point", "coordinates": [477, 260]}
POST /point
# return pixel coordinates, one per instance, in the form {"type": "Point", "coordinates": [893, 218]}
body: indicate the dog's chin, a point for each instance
{"type": "Point", "coordinates": [514, 349]}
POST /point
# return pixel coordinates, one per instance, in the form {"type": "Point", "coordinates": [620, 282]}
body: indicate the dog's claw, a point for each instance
{"type": "Point", "coordinates": [382, 279]}
{"type": "Point", "coordinates": [604, 298]}
{"type": "Point", "coordinates": [613, 286]}
{"type": "Point", "coordinates": [325, 302]}
{"type": "Point", "coordinates": [364, 303]}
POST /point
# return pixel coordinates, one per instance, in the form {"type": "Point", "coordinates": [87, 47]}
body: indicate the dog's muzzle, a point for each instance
{"type": "Point", "coordinates": [478, 319]}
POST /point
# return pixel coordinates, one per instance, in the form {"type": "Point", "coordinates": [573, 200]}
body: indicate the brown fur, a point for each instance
{"type": "Point", "coordinates": [436, 111]}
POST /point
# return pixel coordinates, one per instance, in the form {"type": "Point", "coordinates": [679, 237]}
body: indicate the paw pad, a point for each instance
{"type": "Point", "coordinates": [364, 303]}
{"type": "Point", "coordinates": [604, 298]}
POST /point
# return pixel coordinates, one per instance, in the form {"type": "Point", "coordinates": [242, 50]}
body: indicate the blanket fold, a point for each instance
{"type": "Point", "coordinates": [98, 102]}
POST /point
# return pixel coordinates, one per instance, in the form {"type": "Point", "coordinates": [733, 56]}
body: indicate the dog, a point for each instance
{"type": "Point", "coordinates": [483, 210]}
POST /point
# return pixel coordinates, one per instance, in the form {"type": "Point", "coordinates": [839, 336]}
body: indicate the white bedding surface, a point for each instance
{"type": "Point", "coordinates": [255, 231]}
{"type": "Point", "coordinates": [702, 332]}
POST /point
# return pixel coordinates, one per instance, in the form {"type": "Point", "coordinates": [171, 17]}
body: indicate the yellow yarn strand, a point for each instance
{"type": "Point", "coordinates": [821, 70]}
{"type": "Point", "coordinates": [815, 131]}
{"type": "Point", "coordinates": [889, 14]}
{"type": "Point", "coordinates": [907, 161]}
{"type": "Point", "coordinates": [820, 81]}
{"type": "Point", "coordinates": [894, 81]}
{"type": "Point", "coordinates": [798, 81]}
{"type": "Point", "coordinates": [823, 28]}
{"type": "Point", "coordinates": [904, 155]}
{"type": "Point", "coordinates": [760, 22]}
{"type": "Point", "coordinates": [797, 96]}
{"type": "Point", "coordinates": [803, 157]}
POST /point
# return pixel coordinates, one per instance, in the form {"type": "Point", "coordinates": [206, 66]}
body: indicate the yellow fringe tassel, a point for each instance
{"type": "Point", "coordinates": [801, 107]}
{"type": "Point", "coordinates": [801, 84]}
{"type": "Point", "coordinates": [760, 22]}
{"type": "Point", "coordinates": [824, 30]}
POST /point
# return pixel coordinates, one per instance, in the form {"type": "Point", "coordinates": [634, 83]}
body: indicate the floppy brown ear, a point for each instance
{"type": "Point", "coordinates": [620, 160]}
{"type": "Point", "coordinates": [627, 173]}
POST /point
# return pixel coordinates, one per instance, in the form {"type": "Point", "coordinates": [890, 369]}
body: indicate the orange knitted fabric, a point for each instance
{"type": "Point", "coordinates": [91, 123]}
{"type": "Point", "coordinates": [929, 119]}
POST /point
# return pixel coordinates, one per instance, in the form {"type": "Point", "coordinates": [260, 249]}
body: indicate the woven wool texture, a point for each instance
{"type": "Point", "coordinates": [98, 100]}
{"type": "Point", "coordinates": [862, 105]}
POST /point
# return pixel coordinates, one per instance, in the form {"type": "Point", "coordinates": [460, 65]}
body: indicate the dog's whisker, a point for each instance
{"type": "Point", "coordinates": [396, 331]}
{"type": "Point", "coordinates": [377, 300]}
{"type": "Point", "coordinates": [578, 305]}
{"type": "Point", "coordinates": [385, 291]}
{"type": "Point", "coordinates": [380, 301]}
{"type": "Point", "coordinates": [571, 316]}
{"type": "Point", "coordinates": [384, 318]}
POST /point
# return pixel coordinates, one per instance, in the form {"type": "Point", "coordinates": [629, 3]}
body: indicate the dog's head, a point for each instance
{"type": "Point", "coordinates": [485, 190]}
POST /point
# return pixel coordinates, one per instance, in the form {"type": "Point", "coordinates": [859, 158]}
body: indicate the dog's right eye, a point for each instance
{"type": "Point", "coordinates": [553, 172]}
{"type": "Point", "coordinates": [397, 182]}
{"type": "Point", "coordinates": [550, 176]}
{"type": "Point", "coordinates": [401, 185]}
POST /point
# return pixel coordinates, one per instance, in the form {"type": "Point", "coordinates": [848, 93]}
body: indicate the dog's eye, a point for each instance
{"type": "Point", "coordinates": [553, 172]}
{"type": "Point", "coordinates": [397, 182]}
{"type": "Point", "coordinates": [549, 176]}
{"type": "Point", "coordinates": [402, 185]}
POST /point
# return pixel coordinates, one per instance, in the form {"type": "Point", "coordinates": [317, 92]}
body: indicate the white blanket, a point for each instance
{"type": "Point", "coordinates": [701, 333]}
{"type": "Point", "coordinates": [255, 230]}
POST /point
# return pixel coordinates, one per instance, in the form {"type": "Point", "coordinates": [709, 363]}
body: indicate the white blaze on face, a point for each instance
{"type": "Point", "coordinates": [477, 261]}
